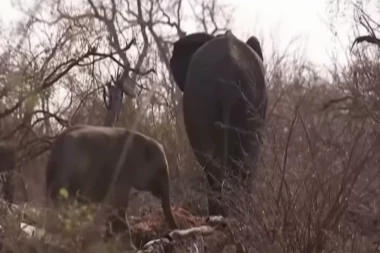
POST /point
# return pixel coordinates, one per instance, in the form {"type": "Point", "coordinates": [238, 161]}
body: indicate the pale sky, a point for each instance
{"type": "Point", "coordinates": [280, 19]}
{"type": "Point", "coordinates": [305, 20]}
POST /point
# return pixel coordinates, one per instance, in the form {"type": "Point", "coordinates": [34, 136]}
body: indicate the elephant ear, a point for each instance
{"type": "Point", "coordinates": [183, 50]}
{"type": "Point", "coordinates": [254, 43]}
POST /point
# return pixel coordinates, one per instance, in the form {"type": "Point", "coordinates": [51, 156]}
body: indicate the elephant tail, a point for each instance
{"type": "Point", "coordinates": [226, 124]}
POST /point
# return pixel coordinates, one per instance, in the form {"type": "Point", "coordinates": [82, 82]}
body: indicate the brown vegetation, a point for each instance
{"type": "Point", "coordinates": [317, 185]}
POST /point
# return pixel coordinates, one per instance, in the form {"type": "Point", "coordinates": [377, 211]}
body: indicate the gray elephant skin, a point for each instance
{"type": "Point", "coordinates": [224, 105]}
{"type": "Point", "coordinates": [83, 160]}
{"type": "Point", "coordinates": [7, 166]}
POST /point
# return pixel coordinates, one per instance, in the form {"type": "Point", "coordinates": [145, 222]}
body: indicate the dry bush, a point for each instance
{"type": "Point", "coordinates": [316, 188]}
{"type": "Point", "coordinates": [317, 185]}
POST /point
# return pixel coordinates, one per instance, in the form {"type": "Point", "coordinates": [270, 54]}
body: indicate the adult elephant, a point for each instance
{"type": "Point", "coordinates": [224, 105]}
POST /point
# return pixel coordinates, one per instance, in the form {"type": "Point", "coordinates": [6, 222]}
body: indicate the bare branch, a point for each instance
{"type": "Point", "coordinates": [368, 38]}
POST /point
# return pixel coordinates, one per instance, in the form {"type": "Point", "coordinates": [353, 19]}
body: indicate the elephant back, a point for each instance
{"type": "Point", "coordinates": [225, 59]}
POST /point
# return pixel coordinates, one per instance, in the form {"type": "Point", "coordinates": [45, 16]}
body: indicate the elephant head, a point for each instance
{"type": "Point", "coordinates": [185, 48]}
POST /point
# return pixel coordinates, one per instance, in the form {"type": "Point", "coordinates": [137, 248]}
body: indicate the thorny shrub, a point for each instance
{"type": "Point", "coordinates": [316, 188]}
{"type": "Point", "coordinates": [317, 184]}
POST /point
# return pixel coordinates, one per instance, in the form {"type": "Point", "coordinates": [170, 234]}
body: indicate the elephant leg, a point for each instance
{"type": "Point", "coordinates": [247, 167]}
{"type": "Point", "coordinates": [161, 190]}
{"type": "Point", "coordinates": [215, 180]}
{"type": "Point", "coordinates": [250, 162]}
{"type": "Point", "coordinates": [118, 224]}
{"type": "Point", "coordinates": [115, 207]}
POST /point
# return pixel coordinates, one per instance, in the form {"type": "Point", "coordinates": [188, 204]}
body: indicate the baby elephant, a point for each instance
{"type": "Point", "coordinates": [84, 158]}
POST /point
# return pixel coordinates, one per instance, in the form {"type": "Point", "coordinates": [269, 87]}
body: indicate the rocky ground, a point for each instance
{"type": "Point", "coordinates": [150, 233]}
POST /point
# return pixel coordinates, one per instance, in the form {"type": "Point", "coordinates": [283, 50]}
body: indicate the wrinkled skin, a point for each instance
{"type": "Point", "coordinates": [223, 84]}
{"type": "Point", "coordinates": [7, 166]}
{"type": "Point", "coordinates": [83, 160]}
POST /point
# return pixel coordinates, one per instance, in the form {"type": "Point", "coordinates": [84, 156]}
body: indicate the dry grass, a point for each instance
{"type": "Point", "coordinates": [316, 188]}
